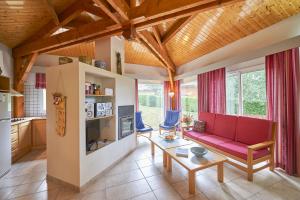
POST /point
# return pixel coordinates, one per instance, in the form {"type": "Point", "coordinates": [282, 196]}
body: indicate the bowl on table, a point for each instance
{"type": "Point", "coordinates": [199, 151]}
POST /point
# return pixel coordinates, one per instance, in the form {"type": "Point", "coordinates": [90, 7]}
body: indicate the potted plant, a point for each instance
{"type": "Point", "coordinates": [187, 119]}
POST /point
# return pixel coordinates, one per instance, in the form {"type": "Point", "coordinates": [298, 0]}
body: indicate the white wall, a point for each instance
{"type": "Point", "coordinates": [6, 62]}
{"type": "Point", "coordinates": [145, 72]}
{"type": "Point", "coordinates": [276, 38]}
{"type": "Point", "coordinates": [63, 152]}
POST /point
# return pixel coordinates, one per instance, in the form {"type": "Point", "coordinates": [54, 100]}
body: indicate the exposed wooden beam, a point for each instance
{"type": "Point", "coordinates": [106, 9]}
{"type": "Point", "coordinates": [22, 68]}
{"type": "Point", "coordinates": [175, 28]}
{"type": "Point", "coordinates": [95, 10]}
{"type": "Point", "coordinates": [121, 7]}
{"type": "Point", "coordinates": [65, 17]}
{"type": "Point", "coordinates": [143, 19]}
{"type": "Point", "coordinates": [150, 40]}
{"type": "Point", "coordinates": [51, 11]}
{"type": "Point", "coordinates": [157, 35]}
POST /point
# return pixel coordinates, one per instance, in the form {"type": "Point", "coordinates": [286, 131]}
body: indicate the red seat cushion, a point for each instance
{"type": "Point", "coordinates": [240, 150]}
{"type": "Point", "coordinates": [213, 140]}
{"type": "Point", "coordinates": [194, 135]}
{"type": "Point", "coordinates": [225, 126]}
{"type": "Point", "coordinates": [252, 131]}
{"type": "Point", "coordinates": [209, 118]}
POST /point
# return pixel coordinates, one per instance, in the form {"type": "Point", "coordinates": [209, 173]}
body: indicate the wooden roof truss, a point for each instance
{"type": "Point", "coordinates": [116, 17]}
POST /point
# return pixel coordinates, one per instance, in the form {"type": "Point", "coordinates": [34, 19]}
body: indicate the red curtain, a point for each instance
{"type": "Point", "coordinates": [282, 77]}
{"type": "Point", "coordinates": [167, 98]}
{"type": "Point", "coordinates": [40, 80]}
{"type": "Point", "coordinates": [212, 91]}
{"type": "Point", "coordinates": [136, 95]}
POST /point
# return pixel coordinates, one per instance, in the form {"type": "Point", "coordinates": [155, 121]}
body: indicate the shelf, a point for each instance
{"type": "Point", "coordinates": [100, 147]}
{"type": "Point", "coordinates": [109, 116]}
{"type": "Point", "coordinates": [98, 95]}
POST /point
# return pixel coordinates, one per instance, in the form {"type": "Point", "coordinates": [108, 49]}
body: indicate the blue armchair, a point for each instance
{"type": "Point", "coordinates": [140, 126]}
{"type": "Point", "coordinates": [171, 121]}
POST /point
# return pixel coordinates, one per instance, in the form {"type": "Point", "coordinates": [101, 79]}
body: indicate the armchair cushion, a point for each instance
{"type": "Point", "coordinates": [240, 150]}
{"type": "Point", "coordinates": [146, 129]}
{"type": "Point", "coordinates": [252, 131]}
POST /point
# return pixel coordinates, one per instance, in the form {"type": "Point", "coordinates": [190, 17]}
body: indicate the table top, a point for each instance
{"type": "Point", "coordinates": [166, 144]}
{"type": "Point", "coordinates": [194, 163]}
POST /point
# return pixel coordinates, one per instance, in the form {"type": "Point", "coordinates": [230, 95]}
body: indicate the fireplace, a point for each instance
{"type": "Point", "coordinates": [126, 121]}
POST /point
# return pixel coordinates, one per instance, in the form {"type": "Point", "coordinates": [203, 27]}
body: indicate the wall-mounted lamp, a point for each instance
{"type": "Point", "coordinates": [171, 94]}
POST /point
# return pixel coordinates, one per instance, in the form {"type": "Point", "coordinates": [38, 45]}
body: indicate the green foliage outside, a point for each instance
{"type": "Point", "coordinates": [150, 100]}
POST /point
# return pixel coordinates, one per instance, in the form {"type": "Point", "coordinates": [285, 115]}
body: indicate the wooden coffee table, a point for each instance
{"type": "Point", "coordinates": [164, 145]}
{"type": "Point", "coordinates": [194, 164]}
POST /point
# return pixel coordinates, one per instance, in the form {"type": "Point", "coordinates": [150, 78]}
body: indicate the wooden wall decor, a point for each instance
{"type": "Point", "coordinates": [60, 101]}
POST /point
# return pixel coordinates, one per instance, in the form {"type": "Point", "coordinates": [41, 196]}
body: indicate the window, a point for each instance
{"type": "Point", "coordinates": [44, 100]}
{"type": "Point", "coordinates": [151, 103]}
{"type": "Point", "coordinates": [189, 96]}
{"type": "Point", "coordinates": [246, 93]}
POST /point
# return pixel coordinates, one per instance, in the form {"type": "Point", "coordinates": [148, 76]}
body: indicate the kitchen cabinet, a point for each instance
{"type": "Point", "coordinates": [39, 133]}
{"type": "Point", "coordinates": [27, 135]}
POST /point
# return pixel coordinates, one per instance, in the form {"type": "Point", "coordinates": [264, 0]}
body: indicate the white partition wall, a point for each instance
{"type": "Point", "coordinates": [68, 159]}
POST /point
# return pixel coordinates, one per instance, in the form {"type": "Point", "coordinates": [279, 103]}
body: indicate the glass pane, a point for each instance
{"type": "Point", "coordinates": [232, 94]}
{"type": "Point", "coordinates": [189, 96]}
{"type": "Point", "coordinates": [151, 103]}
{"type": "Point", "coordinates": [254, 93]}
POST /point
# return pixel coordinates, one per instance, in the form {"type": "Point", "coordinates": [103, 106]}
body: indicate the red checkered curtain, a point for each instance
{"type": "Point", "coordinates": [40, 80]}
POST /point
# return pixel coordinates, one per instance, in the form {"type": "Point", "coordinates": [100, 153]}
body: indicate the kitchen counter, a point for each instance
{"type": "Point", "coordinates": [26, 119]}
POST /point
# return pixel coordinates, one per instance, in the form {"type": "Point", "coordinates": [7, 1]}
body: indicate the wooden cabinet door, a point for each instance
{"type": "Point", "coordinates": [39, 133]}
{"type": "Point", "coordinates": [24, 135]}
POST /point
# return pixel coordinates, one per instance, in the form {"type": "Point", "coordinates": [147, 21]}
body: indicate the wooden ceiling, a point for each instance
{"type": "Point", "coordinates": [214, 29]}
{"type": "Point", "coordinates": [160, 33]}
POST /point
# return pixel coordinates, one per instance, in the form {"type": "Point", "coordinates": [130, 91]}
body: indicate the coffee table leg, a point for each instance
{"type": "Point", "coordinates": [152, 149]}
{"type": "Point", "coordinates": [169, 163]}
{"type": "Point", "coordinates": [164, 158]}
{"type": "Point", "coordinates": [192, 182]}
{"type": "Point", "coordinates": [220, 172]}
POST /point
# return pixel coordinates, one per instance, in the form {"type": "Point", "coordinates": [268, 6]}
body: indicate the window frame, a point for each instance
{"type": "Point", "coordinates": [239, 73]}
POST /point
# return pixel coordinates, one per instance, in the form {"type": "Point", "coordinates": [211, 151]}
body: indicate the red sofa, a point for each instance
{"type": "Point", "coordinates": [247, 140]}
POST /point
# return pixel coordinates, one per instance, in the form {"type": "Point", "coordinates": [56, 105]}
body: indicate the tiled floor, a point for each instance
{"type": "Point", "coordinates": [141, 177]}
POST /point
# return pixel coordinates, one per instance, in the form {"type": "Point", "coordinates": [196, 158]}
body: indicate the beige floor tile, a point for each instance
{"type": "Point", "coordinates": [122, 167]}
{"type": "Point", "coordinates": [45, 195]}
{"type": "Point", "coordinates": [126, 177]}
{"type": "Point", "coordinates": [48, 185]}
{"type": "Point", "coordinates": [158, 182]}
{"type": "Point", "coordinates": [166, 194]}
{"type": "Point", "coordinates": [147, 196]}
{"type": "Point", "coordinates": [99, 195]}
{"type": "Point", "coordinates": [144, 162]}
{"type": "Point", "coordinates": [5, 192]}
{"type": "Point", "coordinates": [174, 176]}
{"type": "Point", "coordinates": [150, 171]}
{"type": "Point", "coordinates": [68, 194]}
{"type": "Point", "coordinates": [12, 181]}
{"type": "Point", "coordinates": [96, 185]}
{"type": "Point", "coordinates": [221, 194]}
{"type": "Point", "coordinates": [198, 196]}
{"type": "Point", "coordinates": [183, 189]}
{"type": "Point", "coordinates": [206, 182]}
{"type": "Point", "coordinates": [128, 190]}
{"type": "Point", "coordinates": [25, 189]}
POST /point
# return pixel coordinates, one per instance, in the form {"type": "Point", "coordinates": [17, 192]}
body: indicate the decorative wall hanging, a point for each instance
{"type": "Point", "coordinates": [64, 60]}
{"type": "Point", "coordinates": [119, 64]}
{"type": "Point", "coordinates": [60, 103]}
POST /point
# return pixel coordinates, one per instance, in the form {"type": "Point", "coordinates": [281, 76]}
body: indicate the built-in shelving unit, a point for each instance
{"type": "Point", "coordinates": [104, 117]}
{"type": "Point", "coordinates": [100, 128]}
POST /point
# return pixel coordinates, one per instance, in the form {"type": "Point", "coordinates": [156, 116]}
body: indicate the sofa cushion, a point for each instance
{"type": "Point", "coordinates": [209, 118]}
{"type": "Point", "coordinates": [252, 131]}
{"type": "Point", "coordinates": [199, 126]}
{"type": "Point", "coordinates": [225, 126]}
{"type": "Point", "coordinates": [213, 140]}
{"type": "Point", "coordinates": [194, 135]}
{"type": "Point", "coordinates": [240, 150]}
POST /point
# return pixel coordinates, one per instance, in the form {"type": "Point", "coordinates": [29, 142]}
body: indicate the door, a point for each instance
{"type": "Point", "coordinates": [5, 146]}
{"type": "Point", "coordinates": [5, 110]}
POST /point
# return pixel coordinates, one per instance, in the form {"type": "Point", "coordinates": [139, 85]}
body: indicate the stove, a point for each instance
{"type": "Point", "coordinates": [17, 119]}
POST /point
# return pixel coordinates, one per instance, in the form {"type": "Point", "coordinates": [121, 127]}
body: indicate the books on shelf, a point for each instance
{"type": "Point", "coordinates": [183, 152]}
